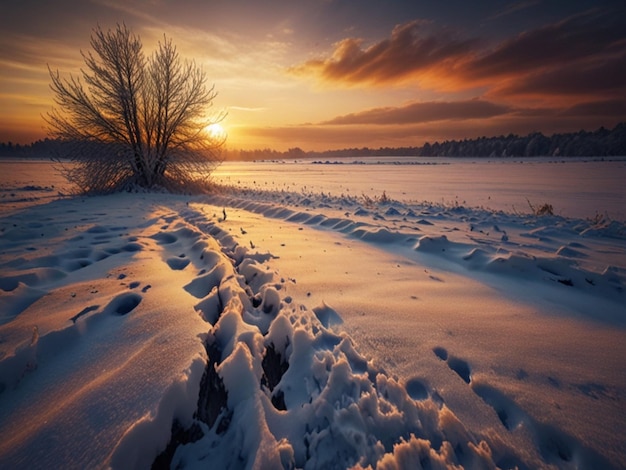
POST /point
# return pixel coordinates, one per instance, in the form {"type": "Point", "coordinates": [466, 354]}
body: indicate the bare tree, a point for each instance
{"type": "Point", "coordinates": [132, 120]}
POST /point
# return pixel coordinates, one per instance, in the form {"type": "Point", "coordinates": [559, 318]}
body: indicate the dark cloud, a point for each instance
{"type": "Point", "coordinates": [583, 36]}
{"type": "Point", "coordinates": [405, 54]}
{"type": "Point", "coordinates": [614, 108]}
{"type": "Point", "coordinates": [424, 112]}
{"type": "Point", "coordinates": [611, 110]}
{"type": "Point", "coordinates": [36, 33]}
{"type": "Point", "coordinates": [597, 76]}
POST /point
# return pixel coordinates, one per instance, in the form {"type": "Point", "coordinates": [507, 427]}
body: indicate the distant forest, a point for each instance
{"type": "Point", "coordinates": [600, 143]}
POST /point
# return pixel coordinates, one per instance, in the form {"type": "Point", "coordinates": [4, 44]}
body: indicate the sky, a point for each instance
{"type": "Point", "coordinates": [328, 74]}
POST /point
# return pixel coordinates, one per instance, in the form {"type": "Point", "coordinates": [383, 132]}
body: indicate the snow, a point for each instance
{"type": "Point", "coordinates": [275, 323]}
{"type": "Point", "coordinates": [576, 187]}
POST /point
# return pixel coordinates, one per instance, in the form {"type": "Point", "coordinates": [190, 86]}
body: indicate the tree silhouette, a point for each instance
{"type": "Point", "coordinates": [133, 120]}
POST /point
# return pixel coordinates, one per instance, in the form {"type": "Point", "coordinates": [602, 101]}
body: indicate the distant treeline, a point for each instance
{"type": "Point", "coordinates": [41, 148]}
{"type": "Point", "coordinates": [600, 143]}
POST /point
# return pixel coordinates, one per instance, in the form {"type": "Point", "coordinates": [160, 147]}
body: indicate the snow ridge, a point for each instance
{"type": "Point", "coordinates": [521, 247]}
{"type": "Point", "coordinates": [282, 390]}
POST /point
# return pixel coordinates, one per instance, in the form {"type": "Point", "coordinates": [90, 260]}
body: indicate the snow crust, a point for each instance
{"type": "Point", "coordinates": [293, 329]}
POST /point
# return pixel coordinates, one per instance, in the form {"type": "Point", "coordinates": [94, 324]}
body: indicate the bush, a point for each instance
{"type": "Point", "coordinates": [544, 209]}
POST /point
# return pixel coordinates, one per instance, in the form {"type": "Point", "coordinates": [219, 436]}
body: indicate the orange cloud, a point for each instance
{"type": "Point", "coordinates": [408, 54]}
{"type": "Point", "coordinates": [425, 112]}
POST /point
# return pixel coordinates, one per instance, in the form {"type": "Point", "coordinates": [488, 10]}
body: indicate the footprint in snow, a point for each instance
{"type": "Point", "coordinates": [458, 365]}
{"type": "Point", "coordinates": [416, 389]}
{"type": "Point", "coordinates": [177, 263]}
{"type": "Point", "coordinates": [555, 445]}
{"type": "Point", "coordinates": [164, 238]}
{"type": "Point", "coordinates": [124, 303]}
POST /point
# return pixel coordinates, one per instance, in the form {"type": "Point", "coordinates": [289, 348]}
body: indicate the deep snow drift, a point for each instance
{"type": "Point", "coordinates": [294, 329]}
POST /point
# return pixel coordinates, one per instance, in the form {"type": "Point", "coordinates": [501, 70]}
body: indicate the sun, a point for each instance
{"type": "Point", "coordinates": [216, 131]}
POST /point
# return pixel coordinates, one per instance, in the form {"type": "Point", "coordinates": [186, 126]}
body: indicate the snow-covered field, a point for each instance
{"type": "Point", "coordinates": [296, 319]}
{"type": "Point", "coordinates": [576, 187]}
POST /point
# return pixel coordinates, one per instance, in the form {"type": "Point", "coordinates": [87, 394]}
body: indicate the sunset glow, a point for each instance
{"type": "Point", "coordinates": [327, 74]}
{"type": "Point", "coordinates": [216, 131]}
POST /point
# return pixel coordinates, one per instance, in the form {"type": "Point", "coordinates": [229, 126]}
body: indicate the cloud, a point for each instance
{"type": "Point", "coordinates": [424, 112]}
{"type": "Point", "coordinates": [614, 108]}
{"type": "Point", "coordinates": [513, 8]}
{"type": "Point", "coordinates": [596, 76]}
{"type": "Point", "coordinates": [321, 137]}
{"type": "Point", "coordinates": [247, 108]}
{"type": "Point", "coordinates": [416, 123]}
{"type": "Point", "coordinates": [588, 35]}
{"type": "Point", "coordinates": [407, 54]}
{"type": "Point", "coordinates": [20, 52]}
{"type": "Point", "coordinates": [580, 55]}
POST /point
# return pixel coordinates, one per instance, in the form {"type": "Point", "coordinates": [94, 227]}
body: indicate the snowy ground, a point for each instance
{"type": "Point", "coordinates": [575, 187]}
{"type": "Point", "coordinates": [285, 327]}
